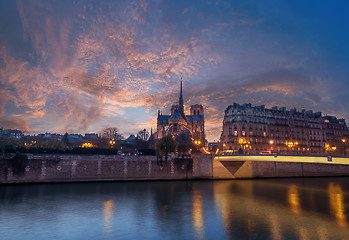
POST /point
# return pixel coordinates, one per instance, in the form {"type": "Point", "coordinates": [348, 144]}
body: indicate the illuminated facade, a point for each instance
{"type": "Point", "coordinates": [255, 129]}
{"type": "Point", "coordinates": [178, 122]}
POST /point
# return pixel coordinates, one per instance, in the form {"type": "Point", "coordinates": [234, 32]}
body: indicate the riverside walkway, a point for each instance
{"type": "Point", "coordinates": [260, 166]}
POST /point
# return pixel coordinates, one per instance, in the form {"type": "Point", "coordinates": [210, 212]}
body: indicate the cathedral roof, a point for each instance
{"type": "Point", "coordinates": [176, 115]}
{"type": "Point", "coordinates": [163, 119]}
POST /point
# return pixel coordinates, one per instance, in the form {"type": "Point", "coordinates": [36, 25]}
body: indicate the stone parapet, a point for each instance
{"type": "Point", "coordinates": [74, 168]}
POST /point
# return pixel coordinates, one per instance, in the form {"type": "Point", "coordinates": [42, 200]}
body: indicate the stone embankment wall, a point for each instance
{"type": "Point", "coordinates": [239, 169]}
{"type": "Point", "coordinates": [74, 168]}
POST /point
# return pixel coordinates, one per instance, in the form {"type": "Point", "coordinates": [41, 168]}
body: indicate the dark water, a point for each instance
{"type": "Point", "coordinates": [313, 208]}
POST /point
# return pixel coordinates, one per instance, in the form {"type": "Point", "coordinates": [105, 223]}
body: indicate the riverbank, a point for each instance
{"type": "Point", "coordinates": [36, 168]}
{"type": "Point", "coordinates": [56, 168]}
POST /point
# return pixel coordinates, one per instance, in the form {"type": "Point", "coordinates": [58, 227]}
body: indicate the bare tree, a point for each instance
{"type": "Point", "coordinates": [143, 135]}
{"type": "Point", "coordinates": [111, 133]}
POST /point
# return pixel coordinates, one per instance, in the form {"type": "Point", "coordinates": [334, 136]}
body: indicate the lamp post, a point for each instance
{"type": "Point", "coordinates": [271, 142]}
{"type": "Point", "coordinates": [344, 146]}
{"type": "Point", "coordinates": [290, 145]}
{"type": "Point", "coordinates": [296, 144]}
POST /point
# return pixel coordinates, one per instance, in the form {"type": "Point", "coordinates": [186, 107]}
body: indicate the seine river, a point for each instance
{"type": "Point", "coordinates": [311, 208]}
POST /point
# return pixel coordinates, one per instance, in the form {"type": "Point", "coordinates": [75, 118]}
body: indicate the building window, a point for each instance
{"type": "Point", "coordinates": [264, 134]}
{"type": "Point", "coordinates": [235, 133]}
{"type": "Point", "coordinates": [243, 133]}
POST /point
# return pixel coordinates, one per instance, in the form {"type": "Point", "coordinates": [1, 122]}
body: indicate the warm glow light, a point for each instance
{"type": "Point", "coordinates": [293, 199]}
{"type": "Point", "coordinates": [337, 206]}
{"type": "Point", "coordinates": [271, 142]}
{"type": "Point", "coordinates": [108, 215]}
{"type": "Point", "coordinates": [87, 145]}
{"type": "Point", "coordinates": [334, 148]}
{"type": "Point", "coordinates": [205, 151]}
{"type": "Point", "coordinates": [343, 140]}
{"type": "Point", "coordinates": [217, 150]}
{"type": "Point", "coordinates": [197, 215]}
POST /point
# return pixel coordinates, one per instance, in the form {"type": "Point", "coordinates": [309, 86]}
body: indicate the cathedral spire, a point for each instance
{"type": "Point", "coordinates": [180, 102]}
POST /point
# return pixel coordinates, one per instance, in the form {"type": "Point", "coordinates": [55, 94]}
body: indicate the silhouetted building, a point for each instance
{"type": "Point", "coordinates": [52, 136]}
{"type": "Point", "coordinates": [178, 122]}
{"type": "Point", "coordinates": [91, 136]}
{"type": "Point", "coordinates": [12, 133]}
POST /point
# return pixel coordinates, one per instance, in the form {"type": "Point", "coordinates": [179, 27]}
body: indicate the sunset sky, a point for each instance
{"type": "Point", "coordinates": [81, 66]}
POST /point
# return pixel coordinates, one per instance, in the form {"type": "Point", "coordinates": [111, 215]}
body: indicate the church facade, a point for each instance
{"type": "Point", "coordinates": [178, 122]}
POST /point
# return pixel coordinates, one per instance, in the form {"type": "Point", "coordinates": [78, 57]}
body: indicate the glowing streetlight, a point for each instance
{"type": "Point", "coordinates": [87, 145]}
{"type": "Point", "coordinates": [345, 146]}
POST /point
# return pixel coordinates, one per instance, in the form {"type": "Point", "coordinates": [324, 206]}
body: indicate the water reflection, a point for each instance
{"type": "Point", "coordinates": [108, 215]}
{"type": "Point", "coordinates": [278, 209]}
{"type": "Point", "coordinates": [275, 228]}
{"type": "Point", "coordinates": [337, 208]}
{"type": "Point", "coordinates": [198, 218]}
{"type": "Point", "coordinates": [293, 199]}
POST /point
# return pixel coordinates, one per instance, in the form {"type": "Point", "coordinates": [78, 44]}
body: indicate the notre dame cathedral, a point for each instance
{"type": "Point", "coordinates": [178, 122]}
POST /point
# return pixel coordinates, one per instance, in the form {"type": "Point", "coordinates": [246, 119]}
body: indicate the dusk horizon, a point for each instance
{"type": "Point", "coordinates": [82, 66]}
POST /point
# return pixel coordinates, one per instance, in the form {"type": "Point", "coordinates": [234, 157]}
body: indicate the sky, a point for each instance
{"type": "Point", "coordinates": [81, 66]}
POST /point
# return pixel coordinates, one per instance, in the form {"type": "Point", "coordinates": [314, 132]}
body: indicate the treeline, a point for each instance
{"type": "Point", "coordinates": [92, 146]}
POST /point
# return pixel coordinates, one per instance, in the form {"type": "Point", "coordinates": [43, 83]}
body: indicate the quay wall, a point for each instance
{"type": "Point", "coordinates": [244, 167]}
{"type": "Point", "coordinates": [76, 168]}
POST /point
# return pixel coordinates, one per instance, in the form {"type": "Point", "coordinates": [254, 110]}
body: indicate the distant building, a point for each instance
{"type": "Point", "coordinates": [91, 136]}
{"type": "Point", "coordinates": [178, 122]}
{"type": "Point", "coordinates": [256, 129]}
{"type": "Point", "coordinates": [131, 139]}
{"type": "Point", "coordinates": [75, 138]}
{"type": "Point", "coordinates": [15, 134]}
{"type": "Point", "coordinates": [52, 136]}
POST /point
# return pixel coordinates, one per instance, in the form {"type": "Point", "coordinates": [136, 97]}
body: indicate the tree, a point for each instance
{"type": "Point", "coordinates": [143, 135]}
{"type": "Point", "coordinates": [7, 143]}
{"type": "Point", "coordinates": [111, 133]}
{"type": "Point", "coordinates": [49, 144]}
{"type": "Point", "coordinates": [165, 146]}
{"type": "Point", "coordinates": [184, 142]}
{"type": "Point", "coordinates": [65, 139]}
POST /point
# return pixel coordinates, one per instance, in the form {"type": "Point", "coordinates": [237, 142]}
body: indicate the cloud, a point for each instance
{"type": "Point", "coordinates": [79, 66]}
{"type": "Point", "coordinates": [14, 123]}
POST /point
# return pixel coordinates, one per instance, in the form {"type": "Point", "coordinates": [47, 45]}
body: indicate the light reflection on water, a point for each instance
{"type": "Point", "coordinates": [336, 198]}
{"type": "Point", "coordinates": [314, 208]}
{"type": "Point", "coordinates": [108, 215]}
{"type": "Point", "coordinates": [293, 199]}
{"type": "Point", "coordinates": [198, 218]}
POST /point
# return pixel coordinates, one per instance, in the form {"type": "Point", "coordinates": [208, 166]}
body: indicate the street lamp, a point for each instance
{"type": "Point", "coordinates": [344, 146]}
{"type": "Point", "coordinates": [271, 142]}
